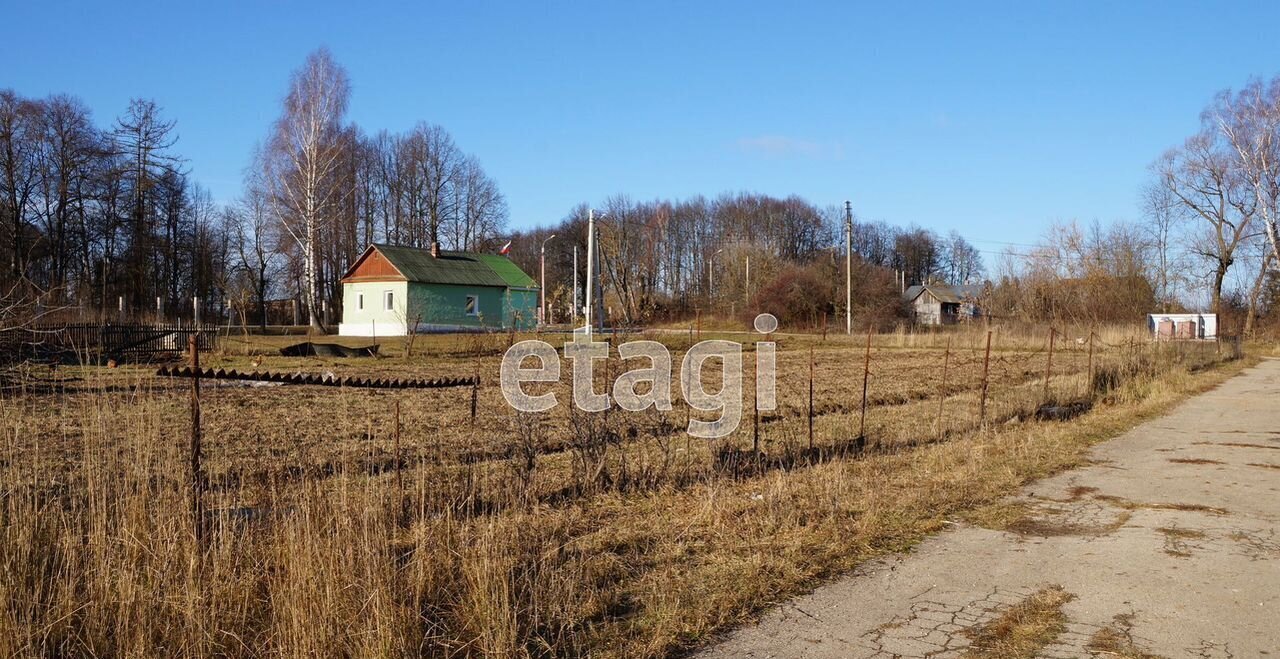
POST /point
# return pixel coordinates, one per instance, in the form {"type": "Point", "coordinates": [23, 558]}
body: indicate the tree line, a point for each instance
{"type": "Point", "coordinates": [99, 216]}
{"type": "Point", "coordinates": [665, 259]}
{"type": "Point", "coordinates": [91, 213]}
{"type": "Point", "coordinates": [109, 218]}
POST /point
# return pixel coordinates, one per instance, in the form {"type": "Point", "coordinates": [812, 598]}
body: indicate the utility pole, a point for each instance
{"type": "Point", "coordinates": [591, 242]}
{"type": "Point", "coordinates": [848, 267]}
{"type": "Point", "coordinates": [711, 280]}
{"type": "Point", "coordinates": [573, 306]}
{"type": "Point", "coordinates": [542, 288]}
{"type": "Point", "coordinates": [747, 295]}
{"type": "Point", "coordinates": [599, 283]}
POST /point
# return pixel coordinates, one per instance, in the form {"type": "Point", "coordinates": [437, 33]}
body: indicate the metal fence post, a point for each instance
{"type": "Point", "coordinates": [1048, 368]}
{"type": "Point", "coordinates": [866, 374]}
{"type": "Point", "coordinates": [475, 391]}
{"type": "Point", "coordinates": [942, 397]}
{"type": "Point", "coordinates": [197, 470]}
{"type": "Point", "coordinates": [399, 475]}
{"type": "Point", "coordinates": [986, 370]}
{"type": "Point", "coordinates": [1089, 382]}
{"type": "Point", "coordinates": [811, 399]}
{"type": "Point", "coordinates": [755, 413]}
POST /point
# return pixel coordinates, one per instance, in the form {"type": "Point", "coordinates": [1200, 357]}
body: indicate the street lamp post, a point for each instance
{"type": "Point", "coordinates": [542, 288]}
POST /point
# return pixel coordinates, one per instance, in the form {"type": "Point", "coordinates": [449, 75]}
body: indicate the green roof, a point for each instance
{"type": "Point", "coordinates": [460, 268]}
{"type": "Point", "coordinates": [509, 271]}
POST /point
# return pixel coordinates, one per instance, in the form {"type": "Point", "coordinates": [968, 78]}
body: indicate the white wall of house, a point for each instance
{"type": "Point", "coordinates": [365, 309]}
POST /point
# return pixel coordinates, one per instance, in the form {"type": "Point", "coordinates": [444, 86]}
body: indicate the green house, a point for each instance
{"type": "Point", "coordinates": [392, 290]}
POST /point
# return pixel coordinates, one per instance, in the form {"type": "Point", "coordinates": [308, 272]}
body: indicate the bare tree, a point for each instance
{"type": "Point", "coordinates": [480, 210]}
{"type": "Point", "coordinates": [19, 128]}
{"type": "Point", "coordinates": [1095, 274]}
{"type": "Point", "coordinates": [1203, 177]}
{"type": "Point", "coordinates": [1163, 211]}
{"type": "Point", "coordinates": [1250, 123]}
{"type": "Point", "coordinates": [1255, 290]}
{"type": "Point", "coordinates": [962, 262]}
{"type": "Point", "coordinates": [254, 245]}
{"type": "Point", "coordinates": [302, 162]}
{"type": "Point", "coordinates": [70, 145]}
{"type": "Point", "coordinates": [143, 139]}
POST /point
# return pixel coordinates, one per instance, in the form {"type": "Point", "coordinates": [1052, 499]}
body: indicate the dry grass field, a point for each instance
{"type": "Point", "coordinates": [560, 534]}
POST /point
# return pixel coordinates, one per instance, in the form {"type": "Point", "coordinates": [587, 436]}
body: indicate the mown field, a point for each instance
{"type": "Point", "coordinates": [558, 534]}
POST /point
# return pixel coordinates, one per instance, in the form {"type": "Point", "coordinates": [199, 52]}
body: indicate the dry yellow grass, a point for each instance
{"type": "Point", "coordinates": [1114, 640]}
{"type": "Point", "coordinates": [1023, 629]}
{"type": "Point", "coordinates": [519, 536]}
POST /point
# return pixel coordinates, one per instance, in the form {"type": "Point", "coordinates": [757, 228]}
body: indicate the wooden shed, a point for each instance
{"type": "Point", "coordinates": [939, 304]}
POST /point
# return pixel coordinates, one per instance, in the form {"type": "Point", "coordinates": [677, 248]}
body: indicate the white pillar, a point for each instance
{"type": "Point", "coordinates": [542, 284]}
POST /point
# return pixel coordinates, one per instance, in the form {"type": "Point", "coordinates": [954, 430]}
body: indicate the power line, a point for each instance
{"type": "Point", "coordinates": [1000, 242]}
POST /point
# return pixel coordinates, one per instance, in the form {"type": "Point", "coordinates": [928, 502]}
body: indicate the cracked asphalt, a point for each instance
{"type": "Point", "coordinates": [1170, 538]}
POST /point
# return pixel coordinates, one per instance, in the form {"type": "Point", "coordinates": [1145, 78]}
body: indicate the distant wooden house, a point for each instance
{"type": "Point", "coordinates": [939, 304]}
{"type": "Point", "coordinates": [392, 291]}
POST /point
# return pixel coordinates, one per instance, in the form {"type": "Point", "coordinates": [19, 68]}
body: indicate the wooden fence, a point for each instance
{"type": "Point", "coordinates": [124, 341]}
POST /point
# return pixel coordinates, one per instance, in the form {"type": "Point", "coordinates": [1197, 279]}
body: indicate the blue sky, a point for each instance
{"type": "Point", "coordinates": [993, 119]}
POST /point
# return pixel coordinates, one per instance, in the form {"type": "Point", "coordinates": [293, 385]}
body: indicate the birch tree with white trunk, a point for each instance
{"type": "Point", "coordinates": [1250, 123]}
{"type": "Point", "coordinates": [303, 159]}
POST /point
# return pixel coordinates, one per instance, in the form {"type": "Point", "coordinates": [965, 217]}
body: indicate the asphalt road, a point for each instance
{"type": "Point", "coordinates": [1169, 540]}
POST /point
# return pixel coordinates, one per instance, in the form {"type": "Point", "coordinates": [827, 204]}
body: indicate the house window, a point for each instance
{"type": "Point", "coordinates": [473, 305]}
{"type": "Point", "coordinates": [388, 300]}
{"type": "Point", "coordinates": [360, 301]}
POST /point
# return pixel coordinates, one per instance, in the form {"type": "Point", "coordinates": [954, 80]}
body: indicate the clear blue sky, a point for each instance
{"type": "Point", "coordinates": [994, 119]}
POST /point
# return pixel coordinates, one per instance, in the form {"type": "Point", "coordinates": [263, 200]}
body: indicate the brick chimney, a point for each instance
{"type": "Point", "coordinates": [435, 249]}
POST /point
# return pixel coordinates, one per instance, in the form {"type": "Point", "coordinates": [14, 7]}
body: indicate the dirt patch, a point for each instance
{"type": "Point", "coordinates": [1238, 445]}
{"type": "Point", "coordinates": [1196, 461]}
{"type": "Point", "coordinates": [998, 516]}
{"type": "Point", "coordinates": [1121, 502]}
{"type": "Point", "coordinates": [1048, 528]}
{"type": "Point", "coordinates": [1116, 640]}
{"type": "Point", "coordinates": [1175, 532]}
{"type": "Point", "coordinates": [1178, 541]}
{"type": "Point", "coordinates": [1023, 629]}
{"type": "Point", "coordinates": [1079, 492]}
{"type": "Point", "coordinates": [1048, 521]}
